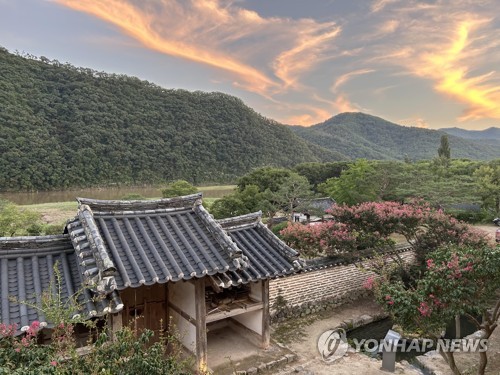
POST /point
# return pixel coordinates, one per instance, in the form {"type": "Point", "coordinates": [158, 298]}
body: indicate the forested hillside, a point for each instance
{"type": "Point", "coordinates": [63, 127]}
{"type": "Point", "coordinates": [490, 135]}
{"type": "Point", "coordinates": [359, 135]}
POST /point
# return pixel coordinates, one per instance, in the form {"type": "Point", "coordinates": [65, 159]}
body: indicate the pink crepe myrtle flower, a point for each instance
{"type": "Point", "coordinates": [369, 283]}
{"type": "Point", "coordinates": [424, 309]}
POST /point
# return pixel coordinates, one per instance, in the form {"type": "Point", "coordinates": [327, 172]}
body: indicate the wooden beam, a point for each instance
{"type": "Point", "coordinates": [116, 323]}
{"type": "Point", "coordinates": [266, 317]}
{"type": "Point", "coordinates": [232, 312]}
{"type": "Point", "coordinates": [201, 325]}
{"type": "Point", "coordinates": [183, 314]}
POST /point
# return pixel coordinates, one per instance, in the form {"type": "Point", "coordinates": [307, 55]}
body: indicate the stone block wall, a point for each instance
{"type": "Point", "coordinates": [316, 289]}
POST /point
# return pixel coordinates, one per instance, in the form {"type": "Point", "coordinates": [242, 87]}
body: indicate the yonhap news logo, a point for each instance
{"type": "Point", "coordinates": [333, 345]}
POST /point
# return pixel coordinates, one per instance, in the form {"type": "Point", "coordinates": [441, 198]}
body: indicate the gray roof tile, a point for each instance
{"type": "Point", "coordinates": [268, 256]}
{"type": "Point", "coordinates": [27, 271]}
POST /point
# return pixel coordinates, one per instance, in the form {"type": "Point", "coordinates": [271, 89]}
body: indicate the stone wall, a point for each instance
{"type": "Point", "coordinates": [321, 287]}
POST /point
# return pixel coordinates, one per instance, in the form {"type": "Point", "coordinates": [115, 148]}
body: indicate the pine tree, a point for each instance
{"type": "Point", "coordinates": [444, 148]}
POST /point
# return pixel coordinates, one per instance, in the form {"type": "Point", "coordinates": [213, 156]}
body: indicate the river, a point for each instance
{"type": "Point", "coordinates": [103, 193]}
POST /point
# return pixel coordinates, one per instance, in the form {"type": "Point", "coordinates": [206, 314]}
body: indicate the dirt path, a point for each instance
{"type": "Point", "coordinates": [309, 360]}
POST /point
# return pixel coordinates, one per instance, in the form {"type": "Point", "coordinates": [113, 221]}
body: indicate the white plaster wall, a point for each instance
{"type": "Point", "coordinates": [181, 295]}
{"type": "Point", "coordinates": [251, 320]}
{"type": "Point", "coordinates": [186, 331]}
{"type": "Point", "coordinates": [256, 291]}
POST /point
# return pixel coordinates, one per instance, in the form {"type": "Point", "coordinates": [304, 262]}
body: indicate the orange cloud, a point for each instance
{"type": "Point", "coordinates": [346, 77]}
{"type": "Point", "coordinates": [378, 5]}
{"type": "Point", "coordinates": [140, 25]}
{"type": "Point", "coordinates": [415, 122]}
{"type": "Point", "coordinates": [291, 63]}
{"type": "Point", "coordinates": [450, 68]}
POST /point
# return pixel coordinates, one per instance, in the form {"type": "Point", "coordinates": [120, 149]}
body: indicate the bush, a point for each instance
{"type": "Point", "coordinates": [178, 188]}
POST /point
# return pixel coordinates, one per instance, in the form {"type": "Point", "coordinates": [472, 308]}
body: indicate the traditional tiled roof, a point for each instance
{"type": "Point", "coordinates": [147, 242]}
{"type": "Point", "coordinates": [268, 256]}
{"type": "Point", "coordinates": [320, 204]}
{"type": "Point", "coordinates": [30, 266]}
{"type": "Point", "coordinates": [113, 245]}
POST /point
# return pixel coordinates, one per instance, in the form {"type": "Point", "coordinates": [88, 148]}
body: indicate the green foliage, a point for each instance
{"type": "Point", "coordinates": [444, 148]}
{"type": "Point", "coordinates": [64, 127]}
{"type": "Point", "coordinates": [228, 206]}
{"type": "Point", "coordinates": [267, 189]}
{"type": "Point", "coordinates": [16, 221]}
{"type": "Point", "coordinates": [358, 135]}
{"type": "Point", "coordinates": [317, 173]}
{"type": "Point", "coordinates": [266, 178]}
{"type": "Point", "coordinates": [355, 185]}
{"type": "Point", "coordinates": [276, 229]}
{"type": "Point", "coordinates": [488, 179]}
{"type": "Point", "coordinates": [178, 188]}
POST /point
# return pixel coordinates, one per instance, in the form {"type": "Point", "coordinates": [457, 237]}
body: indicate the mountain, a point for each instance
{"type": "Point", "coordinates": [490, 135]}
{"type": "Point", "coordinates": [358, 135]}
{"type": "Point", "coordinates": [63, 127]}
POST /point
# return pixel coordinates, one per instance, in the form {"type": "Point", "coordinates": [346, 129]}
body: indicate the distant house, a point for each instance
{"type": "Point", "coordinates": [143, 262]}
{"type": "Point", "coordinates": [313, 210]}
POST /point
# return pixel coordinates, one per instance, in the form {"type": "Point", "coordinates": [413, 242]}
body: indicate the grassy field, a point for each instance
{"type": "Point", "coordinates": [60, 212]}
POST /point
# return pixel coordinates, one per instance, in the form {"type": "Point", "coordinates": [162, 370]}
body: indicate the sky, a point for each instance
{"type": "Point", "coordinates": [430, 64]}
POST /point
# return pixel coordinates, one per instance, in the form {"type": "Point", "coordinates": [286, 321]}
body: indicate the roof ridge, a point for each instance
{"type": "Point", "coordinates": [186, 201]}
{"type": "Point", "coordinates": [32, 242]}
{"type": "Point", "coordinates": [251, 219]}
{"type": "Point", "coordinates": [104, 262]}
{"type": "Point", "coordinates": [239, 260]}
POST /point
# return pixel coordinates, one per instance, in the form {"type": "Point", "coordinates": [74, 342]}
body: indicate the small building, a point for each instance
{"type": "Point", "coordinates": [313, 210]}
{"type": "Point", "coordinates": [148, 263]}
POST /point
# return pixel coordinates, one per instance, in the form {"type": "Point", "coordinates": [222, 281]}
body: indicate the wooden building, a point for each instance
{"type": "Point", "coordinates": [150, 262]}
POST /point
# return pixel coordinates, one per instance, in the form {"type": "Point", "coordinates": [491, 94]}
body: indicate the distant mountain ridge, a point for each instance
{"type": "Point", "coordinates": [359, 135]}
{"type": "Point", "coordinates": [490, 135]}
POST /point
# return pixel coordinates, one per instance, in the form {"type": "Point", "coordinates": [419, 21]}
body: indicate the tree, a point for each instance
{"type": "Point", "coordinates": [444, 148]}
{"type": "Point", "coordinates": [488, 179]}
{"type": "Point", "coordinates": [178, 188]}
{"type": "Point", "coordinates": [355, 185]}
{"type": "Point", "coordinates": [457, 280]}
{"type": "Point", "coordinates": [18, 221]}
{"type": "Point", "coordinates": [228, 206]}
{"type": "Point", "coordinates": [286, 198]}
{"type": "Point", "coordinates": [444, 154]}
{"type": "Point", "coordinates": [266, 178]}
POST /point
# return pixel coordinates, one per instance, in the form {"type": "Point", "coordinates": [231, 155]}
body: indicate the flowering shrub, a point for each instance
{"type": "Point", "coordinates": [327, 238]}
{"type": "Point", "coordinates": [370, 225]}
{"type": "Point", "coordinates": [457, 280]}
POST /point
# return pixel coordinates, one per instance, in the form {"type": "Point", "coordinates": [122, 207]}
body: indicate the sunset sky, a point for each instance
{"type": "Point", "coordinates": [428, 63]}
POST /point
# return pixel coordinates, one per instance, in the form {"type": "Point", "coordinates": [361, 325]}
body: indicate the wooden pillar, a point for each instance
{"type": "Point", "coordinates": [201, 325]}
{"type": "Point", "coordinates": [116, 323]}
{"type": "Point", "coordinates": [266, 317]}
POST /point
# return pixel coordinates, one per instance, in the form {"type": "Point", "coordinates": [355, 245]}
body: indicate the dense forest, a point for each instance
{"type": "Point", "coordinates": [63, 126]}
{"type": "Point", "coordinates": [358, 135]}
